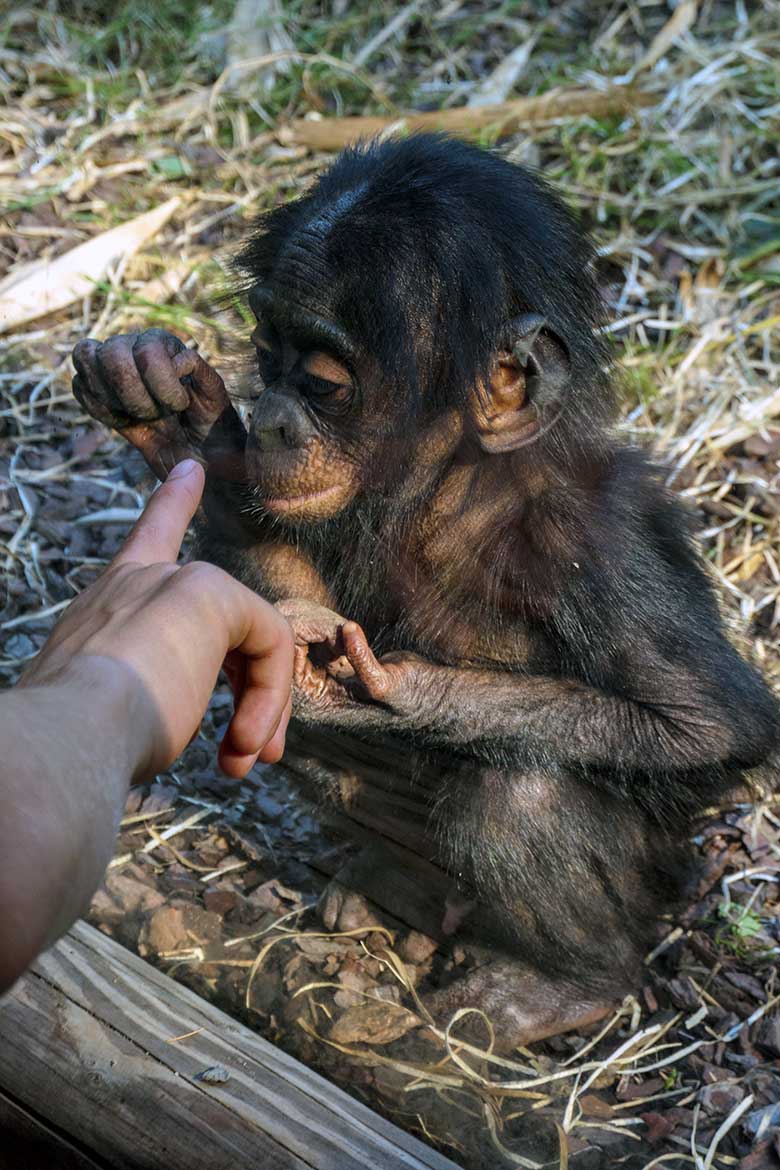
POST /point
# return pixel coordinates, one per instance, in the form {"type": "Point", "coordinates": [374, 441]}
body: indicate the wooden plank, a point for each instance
{"type": "Point", "coordinates": [27, 1141]}
{"type": "Point", "coordinates": [85, 1040]}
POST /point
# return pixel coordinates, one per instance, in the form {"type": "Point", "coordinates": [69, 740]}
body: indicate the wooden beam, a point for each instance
{"type": "Point", "coordinates": [468, 121]}
{"type": "Point", "coordinates": [88, 1044]}
{"type": "Point", "coordinates": [25, 1140]}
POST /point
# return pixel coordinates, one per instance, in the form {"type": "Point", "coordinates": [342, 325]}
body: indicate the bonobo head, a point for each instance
{"type": "Point", "coordinates": [418, 280]}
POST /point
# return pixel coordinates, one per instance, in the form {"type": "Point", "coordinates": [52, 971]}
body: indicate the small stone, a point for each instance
{"type": "Point", "coordinates": [216, 1075]}
{"type": "Point", "coordinates": [130, 894]}
{"type": "Point", "coordinates": [373, 1023]}
{"type": "Point", "coordinates": [768, 1035]}
{"type": "Point", "coordinates": [220, 901]}
{"type": "Point", "coordinates": [761, 1158]}
{"type": "Point", "coordinates": [270, 808]}
{"type": "Point", "coordinates": [167, 931]}
{"type": "Point", "coordinates": [650, 999]}
{"type": "Point", "coordinates": [593, 1106]}
{"type": "Point", "coordinates": [19, 646]}
{"type": "Point", "coordinates": [659, 1126]}
{"type": "Point", "coordinates": [416, 947]}
{"type": "Point", "coordinates": [762, 1120]}
{"type": "Point", "coordinates": [721, 1097]}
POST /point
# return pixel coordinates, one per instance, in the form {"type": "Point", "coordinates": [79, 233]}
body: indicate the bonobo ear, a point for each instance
{"type": "Point", "coordinates": [525, 389]}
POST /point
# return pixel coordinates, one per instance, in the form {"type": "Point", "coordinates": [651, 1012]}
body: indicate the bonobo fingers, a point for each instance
{"type": "Point", "coordinates": [208, 397]}
{"type": "Point", "coordinates": [153, 354]}
{"type": "Point", "coordinates": [368, 669]}
{"type": "Point", "coordinates": [122, 381]}
{"type": "Point", "coordinates": [130, 378]}
{"type": "Point", "coordinates": [312, 623]}
{"type": "Point", "coordinates": [160, 395]}
{"type": "Point", "coordinates": [90, 389]}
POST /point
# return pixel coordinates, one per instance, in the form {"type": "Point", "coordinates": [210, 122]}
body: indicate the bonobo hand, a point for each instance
{"type": "Point", "coordinates": [319, 666]}
{"type": "Point", "coordinates": [399, 680]}
{"type": "Point", "coordinates": [312, 624]}
{"type": "Point", "coordinates": [160, 395]}
{"type": "Point", "coordinates": [337, 678]}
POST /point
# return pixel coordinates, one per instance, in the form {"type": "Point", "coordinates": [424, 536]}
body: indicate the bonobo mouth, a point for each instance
{"type": "Point", "coordinates": [311, 501]}
{"type": "Point", "coordinates": [288, 487]}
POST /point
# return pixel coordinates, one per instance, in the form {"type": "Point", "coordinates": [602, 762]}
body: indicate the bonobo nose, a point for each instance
{"type": "Point", "coordinates": [272, 439]}
{"type": "Point", "coordinates": [279, 421]}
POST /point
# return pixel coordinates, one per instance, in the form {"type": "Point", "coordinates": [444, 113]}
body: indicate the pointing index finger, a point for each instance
{"type": "Point", "coordinates": [157, 534]}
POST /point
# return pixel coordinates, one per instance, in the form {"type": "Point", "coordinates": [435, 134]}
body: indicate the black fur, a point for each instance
{"type": "Point", "coordinates": [593, 705]}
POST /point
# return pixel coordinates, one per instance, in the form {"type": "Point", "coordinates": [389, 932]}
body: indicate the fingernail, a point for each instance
{"type": "Point", "coordinates": [182, 469]}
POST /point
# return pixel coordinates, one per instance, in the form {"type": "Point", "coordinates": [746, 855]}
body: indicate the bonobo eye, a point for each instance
{"type": "Point", "coordinates": [268, 360]}
{"type": "Point", "coordinates": [329, 381]}
{"type": "Point", "coordinates": [326, 368]}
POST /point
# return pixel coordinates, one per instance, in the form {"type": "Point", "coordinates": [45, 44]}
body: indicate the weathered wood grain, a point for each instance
{"type": "Point", "coordinates": [27, 1141]}
{"type": "Point", "coordinates": [86, 1041]}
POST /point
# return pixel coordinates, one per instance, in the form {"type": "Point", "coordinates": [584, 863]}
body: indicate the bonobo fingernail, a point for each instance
{"type": "Point", "coordinates": [184, 468]}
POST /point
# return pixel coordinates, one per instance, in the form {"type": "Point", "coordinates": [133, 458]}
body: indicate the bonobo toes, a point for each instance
{"type": "Point", "coordinates": [343, 909]}
{"type": "Point", "coordinates": [160, 395]}
{"type": "Point", "coordinates": [521, 1004]}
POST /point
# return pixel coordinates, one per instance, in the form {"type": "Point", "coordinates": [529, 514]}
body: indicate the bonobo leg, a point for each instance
{"type": "Point", "coordinates": [521, 1004]}
{"type": "Point", "coordinates": [568, 881]}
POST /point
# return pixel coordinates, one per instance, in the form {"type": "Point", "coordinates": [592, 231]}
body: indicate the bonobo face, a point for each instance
{"type": "Point", "coordinates": [302, 449]}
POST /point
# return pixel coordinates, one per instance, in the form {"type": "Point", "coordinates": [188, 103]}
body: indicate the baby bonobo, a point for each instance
{"type": "Point", "coordinates": [472, 561]}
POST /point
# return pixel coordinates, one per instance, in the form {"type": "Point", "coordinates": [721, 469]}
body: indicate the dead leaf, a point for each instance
{"type": "Point", "coordinates": [49, 285]}
{"type": "Point", "coordinates": [678, 24]}
{"type": "Point", "coordinates": [374, 1023]}
{"type": "Point", "coordinates": [497, 86]}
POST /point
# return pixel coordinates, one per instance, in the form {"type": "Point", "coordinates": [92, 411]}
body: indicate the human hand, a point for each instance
{"type": "Point", "coordinates": [163, 632]}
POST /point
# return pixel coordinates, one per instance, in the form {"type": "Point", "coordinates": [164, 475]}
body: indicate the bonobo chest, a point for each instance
{"type": "Point", "coordinates": [458, 630]}
{"type": "Point", "coordinates": [441, 592]}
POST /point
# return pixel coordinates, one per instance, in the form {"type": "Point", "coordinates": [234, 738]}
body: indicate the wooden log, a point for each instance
{"type": "Point", "coordinates": [25, 1140]}
{"type": "Point", "coordinates": [469, 121]}
{"type": "Point", "coordinates": [109, 1054]}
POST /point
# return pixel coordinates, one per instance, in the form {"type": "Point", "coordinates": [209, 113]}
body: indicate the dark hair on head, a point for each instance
{"type": "Point", "coordinates": [432, 246]}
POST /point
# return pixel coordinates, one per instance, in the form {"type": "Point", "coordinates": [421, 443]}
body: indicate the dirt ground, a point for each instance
{"type": "Point", "coordinates": [217, 881]}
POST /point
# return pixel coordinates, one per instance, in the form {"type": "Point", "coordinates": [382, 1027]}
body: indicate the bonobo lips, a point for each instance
{"type": "Point", "coordinates": [309, 502]}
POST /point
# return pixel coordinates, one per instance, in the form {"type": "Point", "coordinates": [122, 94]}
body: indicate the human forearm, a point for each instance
{"type": "Point", "coordinates": [68, 751]}
{"type": "Point", "coordinates": [116, 693]}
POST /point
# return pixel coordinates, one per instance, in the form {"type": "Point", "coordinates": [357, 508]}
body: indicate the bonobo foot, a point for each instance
{"type": "Point", "coordinates": [343, 909]}
{"type": "Point", "coordinates": [341, 906]}
{"type": "Point", "coordinates": [162, 397]}
{"type": "Point", "coordinates": [521, 1004]}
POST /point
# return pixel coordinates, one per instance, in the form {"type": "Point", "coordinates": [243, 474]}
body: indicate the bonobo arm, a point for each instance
{"type": "Point", "coordinates": [635, 674]}
{"type": "Point", "coordinates": [661, 689]}
{"type": "Point", "coordinates": [537, 720]}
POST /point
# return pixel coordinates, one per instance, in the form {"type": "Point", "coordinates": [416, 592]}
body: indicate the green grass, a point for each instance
{"type": "Point", "coordinates": [741, 926]}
